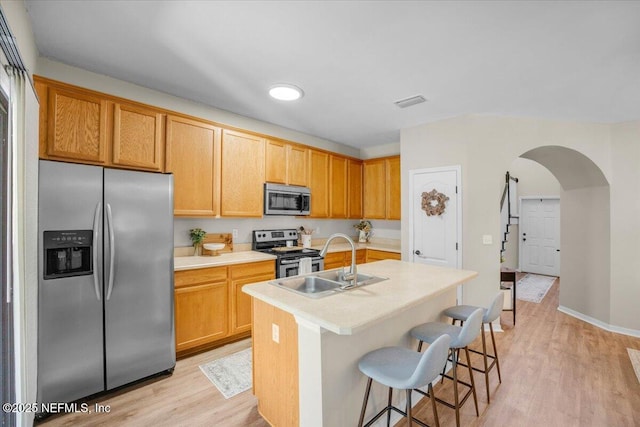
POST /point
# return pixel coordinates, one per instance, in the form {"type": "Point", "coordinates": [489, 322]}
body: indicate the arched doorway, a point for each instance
{"type": "Point", "coordinates": [585, 230]}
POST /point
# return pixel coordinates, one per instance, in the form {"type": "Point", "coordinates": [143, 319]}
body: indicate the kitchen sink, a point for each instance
{"type": "Point", "coordinates": [324, 283]}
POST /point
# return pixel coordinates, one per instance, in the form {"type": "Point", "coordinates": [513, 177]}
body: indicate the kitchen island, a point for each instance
{"type": "Point", "coordinates": [306, 350]}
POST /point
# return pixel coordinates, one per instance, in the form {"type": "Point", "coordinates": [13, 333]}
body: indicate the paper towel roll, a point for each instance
{"type": "Point", "coordinates": [305, 266]}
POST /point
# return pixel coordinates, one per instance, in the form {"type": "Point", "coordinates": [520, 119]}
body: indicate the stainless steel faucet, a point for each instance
{"type": "Point", "coordinates": [352, 276]}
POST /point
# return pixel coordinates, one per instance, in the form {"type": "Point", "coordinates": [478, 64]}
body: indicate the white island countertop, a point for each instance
{"type": "Point", "coordinates": [347, 312]}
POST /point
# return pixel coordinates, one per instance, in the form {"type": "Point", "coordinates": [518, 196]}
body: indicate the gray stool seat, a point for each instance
{"type": "Point", "coordinates": [429, 332]}
{"type": "Point", "coordinates": [461, 337]}
{"type": "Point", "coordinates": [462, 313]}
{"type": "Point", "coordinates": [401, 368]}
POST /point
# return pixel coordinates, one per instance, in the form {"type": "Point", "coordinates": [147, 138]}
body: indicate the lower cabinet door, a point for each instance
{"type": "Point", "coordinates": [201, 314]}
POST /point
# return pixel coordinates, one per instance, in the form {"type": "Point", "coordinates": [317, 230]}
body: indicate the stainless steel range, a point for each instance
{"type": "Point", "coordinates": [283, 244]}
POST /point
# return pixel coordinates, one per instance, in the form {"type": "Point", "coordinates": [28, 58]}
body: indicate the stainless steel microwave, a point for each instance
{"type": "Point", "coordinates": [286, 199]}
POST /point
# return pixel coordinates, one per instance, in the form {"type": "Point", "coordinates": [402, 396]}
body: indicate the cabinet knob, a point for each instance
{"type": "Point", "coordinates": [417, 252]}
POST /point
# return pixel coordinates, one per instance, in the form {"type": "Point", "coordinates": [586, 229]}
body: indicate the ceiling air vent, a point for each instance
{"type": "Point", "coordinates": [408, 102]}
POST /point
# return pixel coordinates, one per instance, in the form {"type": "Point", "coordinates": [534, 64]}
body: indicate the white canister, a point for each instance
{"type": "Point", "coordinates": [306, 240]}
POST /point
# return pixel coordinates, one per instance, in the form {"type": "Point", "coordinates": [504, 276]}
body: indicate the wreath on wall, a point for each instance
{"type": "Point", "coordinates": [434, 203]}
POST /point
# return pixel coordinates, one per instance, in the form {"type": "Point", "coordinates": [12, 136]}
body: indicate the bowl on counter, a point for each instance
{"type": "Point", "coordinates": [214, 248]}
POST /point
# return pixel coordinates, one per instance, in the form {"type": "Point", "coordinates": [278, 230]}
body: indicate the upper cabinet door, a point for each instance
{"type": "Point", "coordinates": [76, 128]}
{"type": "Point", "coordinates": [193, 156]}
{"type": "Point", "coordinates": [297, 165]}
{"type": "Point", "coordinates": [243, 161]}
{"type": "Point", "coordinates": [276, 162]}
{"type": "Point", "coordinates": [338, 178]}
{"type": "Point", "coordinates": [319, 183]}
{"type": "Point", "coordinates": [355, 189]}
{"type": "Point", "coordinates": [374, 189]}
{"type": "Point", "coordinates": [138, 140]}
{"type": "Point", "coordinates": [393, 188]}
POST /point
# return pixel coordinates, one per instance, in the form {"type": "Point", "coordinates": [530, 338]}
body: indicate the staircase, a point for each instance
{"type": "Point", "coordinates": [508, 209]}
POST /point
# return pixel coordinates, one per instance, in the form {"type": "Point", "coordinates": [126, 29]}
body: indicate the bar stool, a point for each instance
{"type": "Point", "coordinates": [401, 368]}
{"type": "Point", "coordinates": [462, 312]}
{"type": "Point", "coordinates": [461, 337]}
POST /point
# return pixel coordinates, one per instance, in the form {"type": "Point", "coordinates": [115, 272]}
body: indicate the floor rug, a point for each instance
{"type": "Point", "coordinates": [533, 287]}
{"type": "Point", "coordinates": [230, 374]}
{"type": "Point", "coordinates": [634, 355]}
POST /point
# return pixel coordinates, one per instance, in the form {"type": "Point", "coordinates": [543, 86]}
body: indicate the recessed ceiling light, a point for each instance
{"type": "Point", "coordinates": [285, 92]}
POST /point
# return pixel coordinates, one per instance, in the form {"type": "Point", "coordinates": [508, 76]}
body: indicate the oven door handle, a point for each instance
{"type": "Point", "coordinates": [297, 261]}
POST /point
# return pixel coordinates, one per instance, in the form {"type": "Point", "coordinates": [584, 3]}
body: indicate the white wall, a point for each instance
{"type": "Point", "coordinates": [584, 269]}
{"type": "Point", "coordinates": [485, 147]}
{"type": "Point", "coordinates": [20, 25]}
{"type": "Point", "coordinates": [534, 179]}
{"type": "Point", "coordinates": [625, 224]}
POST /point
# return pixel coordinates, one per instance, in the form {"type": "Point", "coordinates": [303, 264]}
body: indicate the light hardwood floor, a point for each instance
{"type": "Point", "coordinates": [556, 371]}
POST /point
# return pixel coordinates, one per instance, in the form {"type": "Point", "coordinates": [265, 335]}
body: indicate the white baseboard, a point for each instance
{"type": "Point", "coordinates": [599, 323]}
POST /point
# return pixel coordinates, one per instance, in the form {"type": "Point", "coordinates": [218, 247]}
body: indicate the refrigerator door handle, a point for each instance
{"type": "Point", "coordinates": [96, 234]}
{"type": "Point", "coordinates": [112, 251]}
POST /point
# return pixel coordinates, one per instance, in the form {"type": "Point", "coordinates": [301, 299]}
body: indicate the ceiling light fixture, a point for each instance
{"type": "Point", "coordinates": [285, 92]}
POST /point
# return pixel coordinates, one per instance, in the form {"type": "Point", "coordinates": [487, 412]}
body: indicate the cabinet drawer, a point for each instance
{"type": "Point", "coordinates": [253, 269]}
{"type": "Point", "coordinates": [201, 275]}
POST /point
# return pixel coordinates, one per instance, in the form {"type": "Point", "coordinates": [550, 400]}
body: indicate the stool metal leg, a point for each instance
{"type": "Point", "coordinates": [473, 384]}
{"type": "Point", "coordinates": [455, 385]}
{"type": "Point", "coordinates": [495, 352]}
{"type": "Point", "coordinates": [409, 416]}
{"type": "Point", "coordinates": [486, 366]}
{"type": "Point", "coordinates": [364, 403]}
{"type": "Point", "coordinates": [433, 404]}
{"type": "Point", "coordinates": [389, 405]}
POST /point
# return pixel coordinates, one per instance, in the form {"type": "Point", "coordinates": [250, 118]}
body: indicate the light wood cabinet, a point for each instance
{"type": "Point", "coordinates": [276, 162]}
{"type": "Point", "coordinates": [354, 198]}
{"type": "Point", "coordinates": [201, 307]}
{"type": "Point", "coordinates": [138, 137]}
{"type": "Point", "coordinates": [393, 188]}
{"type": "Point", "coordinates": [243, 164]}
{"type": "Point", "coordinates": [286, 163]}
{"type": "Point", "coordinates": [382, 188]}
{"type": "Point", "coordinates": [319, 183]}
{"type": "Point", "coordinates": [374, 189]}
{"type": "Point", "coordinates": [83, 126]}
{"type": "Point", "coordinates": [376, 255]}
{"type": "Point", "coordinates": [297, 165]}
{"type": "Point", "coordinates": [76, 125]}
{"type": "Point", "coordinates": [240, 275]}
{"type": "Point", "coordinates": [343, 259]}
{"type": "Point", "coordinates": [193, 156]}
{"type": "Point", "coordinates": [210, 307]}
{"type": "Point", "coordinates": [338, 177]}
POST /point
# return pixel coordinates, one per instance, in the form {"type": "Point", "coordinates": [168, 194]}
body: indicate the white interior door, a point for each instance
{"type": "Point", "coordinates": [435, 238]}
{"type": "Point", "coordinates": [540, 236]}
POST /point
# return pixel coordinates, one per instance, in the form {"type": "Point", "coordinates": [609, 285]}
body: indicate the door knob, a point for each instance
{"type": "Point", "coordinates": [417, 252]}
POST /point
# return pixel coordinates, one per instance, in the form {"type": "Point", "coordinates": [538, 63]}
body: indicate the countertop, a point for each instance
{"type": "Point", "coordinates": [193, 262]}
{"type": "Point", "coordinates": [348, 312]}
{"type": "Point", "coordinates": [241, 257]}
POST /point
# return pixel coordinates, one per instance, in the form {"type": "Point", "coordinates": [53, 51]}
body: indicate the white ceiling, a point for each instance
{"type": "Point", "coordinates": [561, 60]}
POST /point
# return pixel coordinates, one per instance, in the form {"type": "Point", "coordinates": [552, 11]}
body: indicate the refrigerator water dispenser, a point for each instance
{"type": "Point", "coordinates": [67, 253]}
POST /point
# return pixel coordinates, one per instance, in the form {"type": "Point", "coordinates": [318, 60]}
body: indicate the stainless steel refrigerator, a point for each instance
{"type": "Point", "coordinates": [105, 290]}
